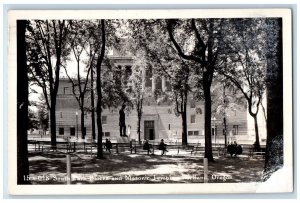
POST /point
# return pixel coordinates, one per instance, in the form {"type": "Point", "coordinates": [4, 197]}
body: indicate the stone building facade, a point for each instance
{"type": "Point", "coordinates": [158, 120]}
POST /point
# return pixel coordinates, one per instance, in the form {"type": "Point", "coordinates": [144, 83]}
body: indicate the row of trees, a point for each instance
{"type": "Point", "coordinates": [192, 54]}
{"type": "Point", "coordinates": [197, 53]}
{"type": "Point", "coordinates": [59, 41]}
{"type": "Point", "coordinates": [38, 119]}
{"type": "Point", "coordinates": [44, 47]}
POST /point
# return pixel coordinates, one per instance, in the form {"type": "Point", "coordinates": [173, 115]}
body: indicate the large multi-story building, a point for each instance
{"type": "Point", "coordinates": [159, 120]}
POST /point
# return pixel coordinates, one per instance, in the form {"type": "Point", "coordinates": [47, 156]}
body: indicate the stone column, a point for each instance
{"type": "Point", "coordinates": [163, 83]}
{"type": "Point", "coordinates": [143, 78]}
{"type": "Point", "coordinates": [153, 83]}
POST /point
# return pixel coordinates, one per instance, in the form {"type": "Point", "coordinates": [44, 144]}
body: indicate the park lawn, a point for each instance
{"type": "Point", "coordinates": [50, 168]}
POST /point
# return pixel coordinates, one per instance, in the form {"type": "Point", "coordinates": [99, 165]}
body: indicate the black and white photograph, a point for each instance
{"type": "Point", "coordinates": [150, 101]}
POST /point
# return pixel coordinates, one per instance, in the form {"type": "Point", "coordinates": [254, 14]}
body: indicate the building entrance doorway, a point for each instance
{"type": "Point", "coordinates": [149, 130]}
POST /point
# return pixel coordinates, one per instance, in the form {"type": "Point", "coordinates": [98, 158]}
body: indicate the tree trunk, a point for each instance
{"type": "Point", "coordinates": [22, 106]}
{"type": "Point", "coordinates": [207, 119]}
{"type": "Point", "coordinates": [225, 132]}
{"type": "Point", "coordinates": [82, 123]}
{"type": "Point", "coordinates": [274, 148]}
{"type": "Point", "coordinates": [139, 129]}
{"type": "Point", "coordinates": [99, 92]}
{"type": "Point", "coordinates": [184, 124]}
{"type": "Point", "coordinates": [53, 122]}
{"type": "Point", "coordinates": [224, 118]}
{"type": "Point", "coordinates": [93, 106]}
{"type": "Point", "coordinates": [140, 113]}
{"type": "Point", "coordinates": [99, 116]}
{"type": "Point", "coordinates": [99, 124]}
{"type": "Point", "coordinates": [257, 142]}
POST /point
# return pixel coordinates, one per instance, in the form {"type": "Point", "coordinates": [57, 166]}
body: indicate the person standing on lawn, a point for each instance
{"type": "Point", "coordinates": [122, 123]}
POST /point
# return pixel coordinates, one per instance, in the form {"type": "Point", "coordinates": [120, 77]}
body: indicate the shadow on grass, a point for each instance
{"type": "Point", "coordinates": [127, 168]}
{"type": "Point", "coordinates": [236, 169]}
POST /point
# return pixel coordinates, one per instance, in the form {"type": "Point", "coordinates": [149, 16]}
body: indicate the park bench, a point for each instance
{"type": "Point", "coordinates": [219, 151]}
{"type": "Point", "coordinates": [89, 147]}
{"type": "Point", "coordinates": [35, 144]}
{"type": "Point", "coordinates": [254, 152]}
{"type": "Point", "coordinates": [216, 150]}
{"type": "Point", "coordinates": [247, 150]}
{"type": "Point", "coordinates": [67, 146]}
{"type": "Point", "coordinates": [180, 148]}
{"type": "Point", "coordinates": [121, 147]}
{"type": "Point", "coordinates": [84, 146]}
{"type": "Point", "coordinates": [138, 148]}
{"type": "Point", "coordinates": [42, 145]}
{"type": "Point", "coordinates": [197, 149]}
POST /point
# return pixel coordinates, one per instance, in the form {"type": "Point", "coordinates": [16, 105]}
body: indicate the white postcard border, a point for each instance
{"type": "Point", "coordinates": [287, 180]}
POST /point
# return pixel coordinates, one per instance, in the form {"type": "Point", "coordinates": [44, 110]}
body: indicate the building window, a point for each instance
{"type": "Point", "coordinates": [128, 72]}
{"type": "Point", "coordinates": [148, 77]}
{"type": "Point", "coordinates": [158, 83]}
{"type": "Point", "coordinates": [104, 119]}
{"type": "Point", "coordinates": [168, 85]}
{"type": "Point", "coordinates": [193, 119]}
{"type": "Point", "coordinates": [60, 114]}
{"type": "Point", "coordinates": [193, 105]}
{"type": "Point", "coordinates": [235, 129]}
{"type": "Point", "coordinates": [66, 90]}
{"type": "Point", "coordinates": [193, 133]}
{"type": "Point", "coordinates": [198, 110]}
{"type": "Point", "coordinates": [61, 131]}
{"type": "Point", "coordinates": [169, 126]}
{"type": "Point", "coordinates": [84, 131]}
{"type": "Point", "coordinates": [72, 131]}
{"type": "Point", "coordinates": [214, 131]}
{"type": "Point", "coordinates": [117, 75]}
{"type": "Point", "coordinates": [196, 132]}
{"type": "Point", "coordinates": [106, 134]}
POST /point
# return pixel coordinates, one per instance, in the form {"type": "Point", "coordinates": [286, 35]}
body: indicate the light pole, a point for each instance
{"type": "Point", "coordinates": [76, 124]}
